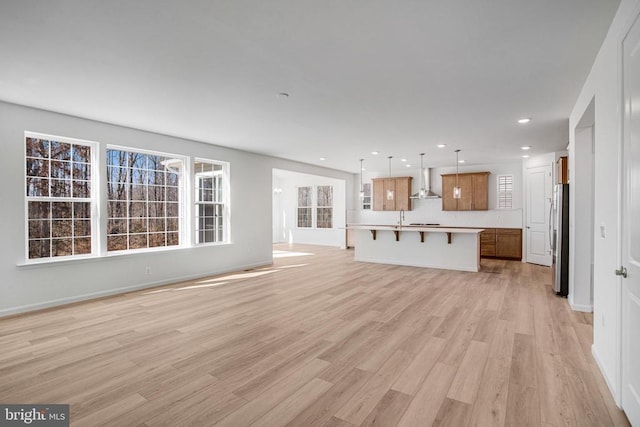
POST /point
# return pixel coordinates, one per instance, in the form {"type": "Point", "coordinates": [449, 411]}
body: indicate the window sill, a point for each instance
{"type": "Point", "coordinates": [112, 255]}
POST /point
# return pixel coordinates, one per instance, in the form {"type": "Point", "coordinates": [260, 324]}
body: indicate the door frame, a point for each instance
{"type": "Point", "coordinates": [622, 204]}
{"type": "Point", "coordinates": [546, 160]}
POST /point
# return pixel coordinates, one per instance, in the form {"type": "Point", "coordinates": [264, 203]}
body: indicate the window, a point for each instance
{"type": "Point", "coordinates": [210, 201]}
{"type": "Point", "coordinates": [324, 208]}
{"type": "Point", "coordinates": [366, 200]}
{"type": "Point", "coordinates": [59, 195]}
{"type": "Point", "coordinates": [305, 210]}
{"type": "Point", "coordinates": [505, 191]}
{"type": "Point", "coordinates": [144, 207]}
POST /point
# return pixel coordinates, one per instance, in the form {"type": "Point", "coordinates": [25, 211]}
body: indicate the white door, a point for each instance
{"type": "Point", "coordinates": [538, 206]}
{"type": "Point", "coordinates": [631, 227]}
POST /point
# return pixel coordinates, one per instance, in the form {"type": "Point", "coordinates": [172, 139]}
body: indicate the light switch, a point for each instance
{"type": "Point", "coordinates": [603, 231]}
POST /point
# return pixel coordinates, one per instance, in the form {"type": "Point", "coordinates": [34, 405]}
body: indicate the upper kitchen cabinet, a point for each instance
{"type": "Point", "coordinates": [474, 189]}
{"type": "Point", "coordinates": [392, 194]}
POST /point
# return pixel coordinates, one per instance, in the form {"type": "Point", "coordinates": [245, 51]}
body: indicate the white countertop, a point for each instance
{"type": "Point", "coordinates": [431, 229]}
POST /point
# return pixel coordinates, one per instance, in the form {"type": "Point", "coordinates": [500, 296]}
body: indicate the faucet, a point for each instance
{"type": "Point", "coordinates": [401, 216]}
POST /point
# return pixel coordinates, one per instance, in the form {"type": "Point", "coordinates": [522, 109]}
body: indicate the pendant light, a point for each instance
{"type": "Point", "coordinates": [390, 192]}
{"type": "Point", "coordinates": [456, 190]}
{"type": "Point", "coordinates": [361, 186]}
{"type": "Point", "coordinates": [422, 194]}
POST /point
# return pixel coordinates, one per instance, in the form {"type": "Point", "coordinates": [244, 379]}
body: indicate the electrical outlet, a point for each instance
{"type": "Point", "coordinates": [147, 270]}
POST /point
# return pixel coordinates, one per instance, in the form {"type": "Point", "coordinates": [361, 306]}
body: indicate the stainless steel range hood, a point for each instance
{"type": "Point", "coordinates": [427, 186]}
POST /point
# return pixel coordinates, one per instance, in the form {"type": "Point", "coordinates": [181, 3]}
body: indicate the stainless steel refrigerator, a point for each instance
{"type": "Point", "coordinates": [559, 237]}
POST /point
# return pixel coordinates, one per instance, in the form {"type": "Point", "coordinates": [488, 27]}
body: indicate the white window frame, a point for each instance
{"type": "Point", "coordinates": [318, 207]}
{"type": "Point", "coordinates": [504, 194]}
{"type": "Point", "coordinates": [184, 238]}
{"type": "Point", "coordinates": [92, 200]}
{"type": "Point", "coordinates": [310, 206]}
{"type": "Point", "coordinates": [226, 187]}
{"type": "Point", "coordinates": [366, 205]}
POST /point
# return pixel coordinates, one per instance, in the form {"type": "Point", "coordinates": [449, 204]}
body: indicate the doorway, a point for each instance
{"type": "Point", "coordinates": [581, 212]}
{"type": "Point", "coordinates": [538, 208]}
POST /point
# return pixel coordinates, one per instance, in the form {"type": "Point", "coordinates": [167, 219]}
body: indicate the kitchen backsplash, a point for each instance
{"type": "Point", "coordinates": [430, 211]}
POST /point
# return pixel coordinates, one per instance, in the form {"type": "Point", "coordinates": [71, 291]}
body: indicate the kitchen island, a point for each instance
{"type": "Point", "coordinates": [450, 248]}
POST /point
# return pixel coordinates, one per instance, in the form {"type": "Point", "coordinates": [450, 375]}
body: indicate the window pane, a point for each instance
{"type": "Point", "coordinates": [304, 196]}
{"type": "Point", "coordinates": [304, 218]}
{"type": "Point", "coordinates": [60, 150]}
{"type": "Point", "coordinates": [82, 210]}
{"type": "Point", "coordinates": [82, 171]}
{"type": "Point", "coordinates": [37, 167]}
{"type": "Point", "coordinates": [157, 239]}
{"type": "Point", "coordinates": [82, 246]}
{"type": "Point", "coordinates": [61, 228]}
{"type": "Point", "coordinates": [60, 170]}
{"type": "Point", "coordinates": [37, 148]}
{"type": "Point", "coordinates": [37, 187]}
{"type": "Point", "coordinates": [137, 241]}
{"type": "Point", "coordinates": [325, 218]}
{"type": "Point", "coordinates": [39, 229]}
{"type": "Point", "coordinates": [61, 210]}
{"type": "Point", "coordinates": [61, 247]}
{"type": "Point", "coordinates": [81, 189]}
{"type": "Point", "coordinates": [82, 228]}
{"type": "Point", "coordinates": [325, 195]}
{"type": "Point", "coordinates": [60, 188]}
{"type": "Point", "coordinates": [39, 248]}
{"type": "Point", "coordinates": [81, 153]}
{"type": "Point", "coordinates": [117, 243]}
{"type": "Point", "coordinates": [39, 210]}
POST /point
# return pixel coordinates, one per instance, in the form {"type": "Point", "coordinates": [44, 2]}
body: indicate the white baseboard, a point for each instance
{"type": "Point", "coordinates": [607, 380]}
{"type": "Point", "coordinates": [581, 307]}
{"type": "Point", "coordinates": [84, 297]}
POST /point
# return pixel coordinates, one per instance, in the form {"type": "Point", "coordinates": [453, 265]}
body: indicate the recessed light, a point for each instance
{"type": "Point", "coordinates": [525, 156]}
{"type": "Point", "coordinates": [375, 153]}
{"type": "Point", "coordinates": [403, 160]}
{"type": "Point", "coordinates": [461, 161]}
{"type": "Point", "coordinates": [441, 145]}
{"type": "Point", "coordinates": [322, 158]}
{"type": "Point", "coordinates": [408, 166]}
{"type": "Point", "coordinates": [526, 147]}
{"type": "Point", "coordinates": [282, 95]}
{"type": "Point", "coordinates": [524, 120]}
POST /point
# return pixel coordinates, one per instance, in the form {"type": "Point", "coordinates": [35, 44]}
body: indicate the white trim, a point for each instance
{"type": "Point", "coordinates": [93, 200]}
{"type": "Point", "coordinates": [184, 209]}
{"type": "Point", "coordinates": [581, 307]}
{"type": "Point", "coordinates": [226, 192]}
{"type": "Point", "coordinates": [618, 329]}
{"type": "Point", "coordinates": [607, 380]}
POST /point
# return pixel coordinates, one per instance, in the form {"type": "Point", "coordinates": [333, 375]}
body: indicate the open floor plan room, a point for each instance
{"type": "Point", "coordinates": [317, 339]}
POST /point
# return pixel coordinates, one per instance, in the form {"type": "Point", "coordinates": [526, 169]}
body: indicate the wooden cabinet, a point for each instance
{"type": "Point", "coordinates": [474, 189]}
{"type": "Point", "coordinates": [501, 243]}
{"type": "Point", "coordinates": [563, 170]}
{"type": "Point", "coordinates": [488, 242]}
{"type": "Point", "coordinates": [392, 194]}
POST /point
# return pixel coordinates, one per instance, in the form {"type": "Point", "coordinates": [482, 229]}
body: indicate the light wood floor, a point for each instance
{"type": "Point", "coordinates": [317, 339]}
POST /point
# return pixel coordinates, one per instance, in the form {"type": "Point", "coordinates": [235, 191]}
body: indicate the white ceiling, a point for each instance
{"type": "Point", "coordinates": [393, 76]}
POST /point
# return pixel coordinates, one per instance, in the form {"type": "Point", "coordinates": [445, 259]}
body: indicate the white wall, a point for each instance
{"type": "Point", "coordinates": [286, 202]}
{"type": "Point", "coordinates": [430, 210]}
{"type": "Point", "coordinates": [24, 288]}
{"type": "Point", "coordinates": [604, 84]}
